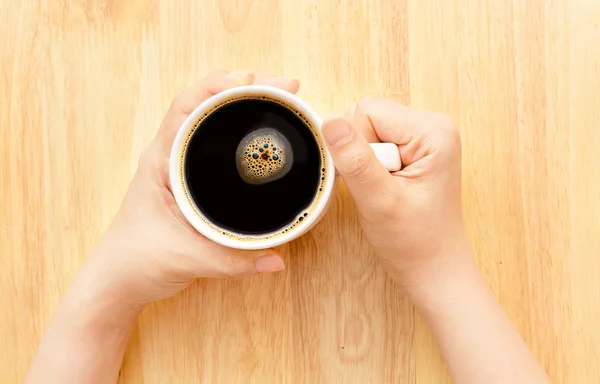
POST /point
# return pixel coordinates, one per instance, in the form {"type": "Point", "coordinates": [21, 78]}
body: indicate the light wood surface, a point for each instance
{"type": "Point", "coordinates": [84, 85]}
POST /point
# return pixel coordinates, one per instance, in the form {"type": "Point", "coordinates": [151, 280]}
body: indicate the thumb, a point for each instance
{"type": "Point", "coordinates": [363, 173]}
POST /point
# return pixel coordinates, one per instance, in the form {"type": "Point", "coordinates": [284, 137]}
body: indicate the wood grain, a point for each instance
{"type": "Point", "coordinates": [83, 87]}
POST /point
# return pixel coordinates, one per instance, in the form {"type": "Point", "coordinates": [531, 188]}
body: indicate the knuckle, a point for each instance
{"type": "Point", "coordinates": [443, 122]}
{"type": "Point", "coordinates": [451, 134]}
{"type": "Point", "coordinates": [360, 166]}
{"type": "Point", "coordinates": [146, 159]}
{"type": "Point", "coordinates": [177, 101]}
{"type": "Point", "coordinates": [362, 105]}
{"type": "Point", "coordinates": [151, 161]}
{"type": "Point", "coordinates": [231, 267]}
{"type": "Point", "coordinates": [236, 266]}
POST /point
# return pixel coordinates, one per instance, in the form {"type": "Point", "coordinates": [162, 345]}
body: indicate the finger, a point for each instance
{"type": "Point", "coordinates": [365, 129]}
{"type": "Point", "coordinates": [418, 133]}
{"type": "Point", "coordinates": [387, 120]}
{"type": "Point", "coordinates": [285, 83]}
{"type": "Point", "coordinates": [364, 175]}
{"type": "Point", "coordinates": [190, 98]}
{"type": "Point", "coordinates": [239, 263]}
{"type": "Point", "coordinates": [184, 103]}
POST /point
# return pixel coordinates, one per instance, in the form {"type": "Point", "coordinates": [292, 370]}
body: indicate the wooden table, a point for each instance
{"type": "Point", "coordinates": [84, 85]}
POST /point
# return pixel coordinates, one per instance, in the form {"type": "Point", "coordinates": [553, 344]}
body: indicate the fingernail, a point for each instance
{"type": "Point", "coordinates": [242, 77]}
{"type": "Point", "coordinates": [294, 83]}
{"type": "Point", "coordinates": [270, 264]}
{"type": "Point", "coordinates": [337, 132]}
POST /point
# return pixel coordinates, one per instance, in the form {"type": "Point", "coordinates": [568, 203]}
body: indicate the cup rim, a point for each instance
{"type": "Point", "coordinates": [192, 212]}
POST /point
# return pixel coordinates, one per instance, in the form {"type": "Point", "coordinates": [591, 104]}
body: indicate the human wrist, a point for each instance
{"type": "Point", "coordinates": [100, 289]}
{"type": "Point", "coordinates": [452, 272]}
{"type": "Point", "coordinates": [98, 299]}
{"type": "Point", "coordinates": [87, 335]}
{"type": "Point", "coordinates": [112, 265]}
{"type": "Point", "coordinates": [450, 290]}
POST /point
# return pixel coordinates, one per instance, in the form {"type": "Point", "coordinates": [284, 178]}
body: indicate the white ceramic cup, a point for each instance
{"type": "Point", "coordinates": [387, 153]}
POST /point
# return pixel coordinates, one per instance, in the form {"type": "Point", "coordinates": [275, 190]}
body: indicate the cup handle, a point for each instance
{"type": "Point", "coordinates": [388, 154]}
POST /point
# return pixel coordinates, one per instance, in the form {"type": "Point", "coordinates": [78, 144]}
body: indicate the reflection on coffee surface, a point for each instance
{"type": "Point", "coordinates": [254, 166]}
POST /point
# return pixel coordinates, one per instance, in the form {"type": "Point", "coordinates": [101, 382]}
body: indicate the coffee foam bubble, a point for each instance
{"type": "Point", "coordinates": [263, 156]}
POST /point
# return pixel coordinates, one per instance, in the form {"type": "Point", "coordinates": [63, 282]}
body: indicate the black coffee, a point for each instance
{"type": "Point", "coordinates": [253, 166]}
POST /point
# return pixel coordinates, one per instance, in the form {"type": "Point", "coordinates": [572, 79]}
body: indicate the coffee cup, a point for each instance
{"type": "Point", "coordinates": [249, 168]}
